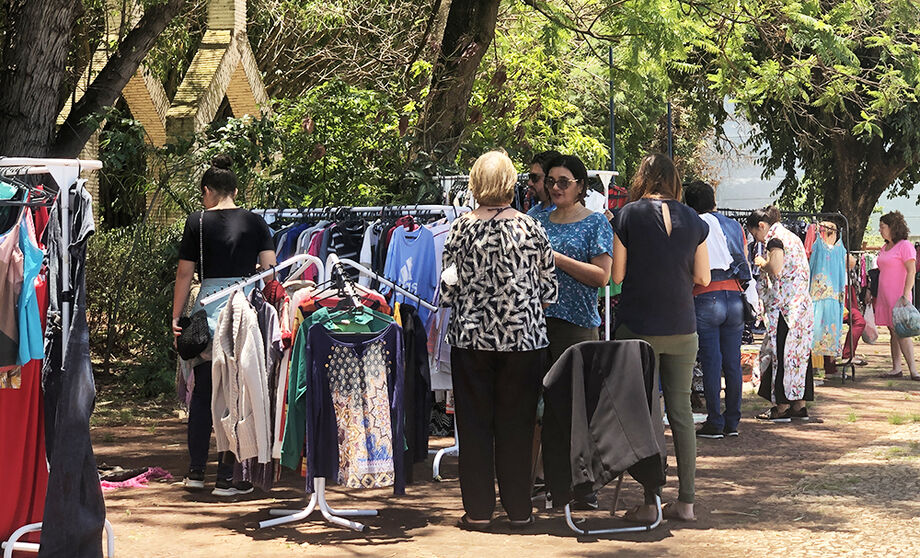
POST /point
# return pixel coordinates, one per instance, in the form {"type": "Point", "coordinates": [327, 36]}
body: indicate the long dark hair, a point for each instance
{"type": "Point", "coordinates": [656, 175]}
{"type": "Point", "coordinates": [769, 215]}
{"type": "Point", "coordinates": [220, 177]}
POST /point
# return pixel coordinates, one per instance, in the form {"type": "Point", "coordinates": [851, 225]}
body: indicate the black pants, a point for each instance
{"type": "Point", "coordinates": [200, 424]}
{"type": "Point", "coordinates": [770, 385]}
{"type": "Point", "coordinates": [495, 394]}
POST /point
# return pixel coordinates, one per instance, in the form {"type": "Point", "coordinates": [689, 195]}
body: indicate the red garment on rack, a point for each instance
{"type": "Point", "coordinates": [24, 470]}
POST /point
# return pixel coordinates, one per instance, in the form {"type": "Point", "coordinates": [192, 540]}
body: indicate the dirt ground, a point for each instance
{"type": "Point", "coordinates": [847, 484]}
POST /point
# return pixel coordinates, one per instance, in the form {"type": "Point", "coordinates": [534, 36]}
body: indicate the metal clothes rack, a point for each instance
{"type": "Point", "coordinates": [451, 212]}
{"type": "Point", "coordinates": [304, 259]}
{"type": "Point", "coordinates": [843, 234]}
{"type": "Point", "coordinates": [65, 172]}
{"type": "Point", "coordinates": [318, 499]}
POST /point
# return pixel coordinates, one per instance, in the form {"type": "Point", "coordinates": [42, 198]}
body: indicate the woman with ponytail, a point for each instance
{"type": "Point", "coordinates": [785, 357]}
{"type": "Point", "coordinates": [223, 243]}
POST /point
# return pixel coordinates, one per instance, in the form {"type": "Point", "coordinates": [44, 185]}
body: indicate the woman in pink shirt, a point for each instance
{"type": "Point", "coordinates": [897, 264]}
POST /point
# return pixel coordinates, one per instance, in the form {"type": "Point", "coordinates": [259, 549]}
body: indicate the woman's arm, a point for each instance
{"type": "Point", "coordinates": [184, 274]}
{"type": "Point", "coordinates": [619, 260]}
{"type": "Point", "coordinates": [267, 259]}
{"type": "Point", "coordinates": [775, 259]}
{"type": "Point", "coordinates": [911, 266]}
{"type": "Point", "coordinates": [594, 273]}
{"type": "Point", "coordinates": [701, 273]}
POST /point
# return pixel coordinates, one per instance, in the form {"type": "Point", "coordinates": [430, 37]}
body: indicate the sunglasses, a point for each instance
{"type": "Point", "coordinates": [563, 182]}
{"type": "Point", "coordinates": [533, 177]}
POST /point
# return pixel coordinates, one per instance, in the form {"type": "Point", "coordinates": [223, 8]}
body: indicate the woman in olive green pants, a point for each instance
{"type": "Point", "coordinates": [659, 253]}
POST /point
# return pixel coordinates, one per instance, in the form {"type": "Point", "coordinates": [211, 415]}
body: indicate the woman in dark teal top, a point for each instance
{"type": "Point", "coordinates": [582, 243]}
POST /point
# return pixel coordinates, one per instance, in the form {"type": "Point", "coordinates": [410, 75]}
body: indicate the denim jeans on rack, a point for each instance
{"type": "Point", "coordinates": [719, 324]}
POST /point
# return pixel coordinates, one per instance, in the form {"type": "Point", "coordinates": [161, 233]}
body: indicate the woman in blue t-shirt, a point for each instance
{"type": "Point", "coordinates": [659, 253]}
{"type": "Point", "coordinates": [582, 243]}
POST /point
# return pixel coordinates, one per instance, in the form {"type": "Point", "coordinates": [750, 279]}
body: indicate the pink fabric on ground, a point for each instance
{"type": "Point", "coordinates": [139, 481]}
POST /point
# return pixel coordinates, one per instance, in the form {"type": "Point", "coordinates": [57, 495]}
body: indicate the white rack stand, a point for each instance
{"type": "Point", "coordinates": [637, 529]}
{"type": "Point", "coordinates": [65, 172]}
{"type": "Point", "coordinates": [13, 544]}
{"type": "Point", "coordinates": [318, 500]}
{"type": "Point", "coordinates": [452, 451]}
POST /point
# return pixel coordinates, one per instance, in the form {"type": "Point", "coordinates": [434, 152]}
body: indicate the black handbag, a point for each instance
{"type": "Point", "coordinates": [196, 333]}
{"type": "Point", "coordinates": [750, 315]}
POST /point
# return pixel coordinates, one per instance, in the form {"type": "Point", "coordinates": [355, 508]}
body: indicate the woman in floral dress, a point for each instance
{"type": "Point", "coordinates": [785, 356]}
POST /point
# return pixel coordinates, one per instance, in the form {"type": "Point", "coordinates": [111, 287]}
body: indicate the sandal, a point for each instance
{"type": "Point", "coordinates": [669, 511]}
{"type": "Point", "coordinates": [521, 523]}
{"type": "Point", "coordinates": [633, 516]}
{"type": "Point", "coordinates": [915, 378]}
{"type": "Point", "coordinates": [773, 415]}
{"type": "Point", "coordinates": [892, 374]}
{"type": "Point", "coordinates": [468, 524]}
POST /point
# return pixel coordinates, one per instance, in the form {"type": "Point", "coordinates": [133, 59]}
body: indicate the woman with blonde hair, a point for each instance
{"type": "Point", "coordinates": [659, 254]}
{"type": "Point", "coordinates": [498, 276]}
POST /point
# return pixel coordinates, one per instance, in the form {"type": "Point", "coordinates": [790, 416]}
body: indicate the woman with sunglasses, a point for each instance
{"type": "Point", "coordinates": [582, 242]}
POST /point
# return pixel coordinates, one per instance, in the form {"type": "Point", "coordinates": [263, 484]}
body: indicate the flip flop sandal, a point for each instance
{"type": "Point", "coordinates": [632, 516]}
{"type": "Point", "coordinates": [521, 523]}
{"type": "Point", "coordinates": [468, 524]}
{"type": "Point", "coordinates": [669, 511]}
{"type": "Point", "coordinates": [915, 378]}
{"type": "Point", "coordinates": [892, 374]}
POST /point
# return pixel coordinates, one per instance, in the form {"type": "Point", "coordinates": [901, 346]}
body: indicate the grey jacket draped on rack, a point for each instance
{"type": "Point", "coordinates": [602, 416]}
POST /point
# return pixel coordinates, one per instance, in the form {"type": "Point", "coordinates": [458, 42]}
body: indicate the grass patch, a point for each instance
{"type": "Point", "coordinates": [852, 416]}
{"type": "Point", "coordinates": [915, 417]}
{"type": "Point", "coordinates": [895, 418]}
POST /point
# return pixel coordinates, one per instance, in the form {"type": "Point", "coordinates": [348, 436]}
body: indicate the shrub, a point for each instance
{"type": "Point", "coordinates": [130, 274]}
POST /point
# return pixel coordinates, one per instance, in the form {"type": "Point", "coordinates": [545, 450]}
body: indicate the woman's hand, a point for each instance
{"type": "Point", "coordinates": [760, 261]}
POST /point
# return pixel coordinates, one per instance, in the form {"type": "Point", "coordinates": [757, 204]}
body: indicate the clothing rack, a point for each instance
{"type": "Point", "coordinates": [66, 173]}
{"type": "Point", "coordinates": [843, 237]}
{"type": "Point", "coordinates": [385, 281]}
{"type": "Point", "coordinates": [304, 259]}
{"type": "Point", "coordinates": [451, 212]}
{"type": "Point", "coordinates": [318, 499]}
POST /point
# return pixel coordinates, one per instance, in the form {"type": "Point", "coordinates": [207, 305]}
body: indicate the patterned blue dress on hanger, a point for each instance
{"type": "Point", "coordinates": [828, 281]}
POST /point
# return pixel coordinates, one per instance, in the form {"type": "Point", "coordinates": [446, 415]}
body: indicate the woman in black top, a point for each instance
{"type": "Point", "coordinates": [659, 253]}
{"type": "Point", "coordinates": [233, 240]}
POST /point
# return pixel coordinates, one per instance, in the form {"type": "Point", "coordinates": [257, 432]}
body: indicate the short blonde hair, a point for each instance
{"type": "Point", "coordinates": [492, 178]}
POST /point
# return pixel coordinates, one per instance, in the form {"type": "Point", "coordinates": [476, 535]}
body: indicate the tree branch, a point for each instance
{"type": "Point", "coordinates": [113, 77]}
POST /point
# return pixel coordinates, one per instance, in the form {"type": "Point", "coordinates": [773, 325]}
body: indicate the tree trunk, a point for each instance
{"type": "Point", "coordinates": [107, 87]}
{"type": "Point", "coordinates": [469, 30]}
{"type": "Point", "coordinates": [863, 174]}
{"type": "Point", "coordinates": [34, 64]}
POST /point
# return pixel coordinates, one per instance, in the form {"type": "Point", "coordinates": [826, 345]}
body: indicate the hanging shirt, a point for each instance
{"type": "Point", "coordinates": [11, 279]}
{"type": "Point", "coordinates": [828, 279]}
{"type": "Point", "coordinates": [348, 397]}
{"type": "Point", "coordinates": [410, 264]}
{"type": "Point", "coordinates": [31, 338]}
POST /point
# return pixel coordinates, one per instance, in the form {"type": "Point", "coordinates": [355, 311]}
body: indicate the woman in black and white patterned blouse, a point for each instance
{"type": "Point", "coordinates": [498, 276]}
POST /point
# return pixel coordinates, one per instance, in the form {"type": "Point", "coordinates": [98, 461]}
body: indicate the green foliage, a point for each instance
{"type": "Point", "coordinates": [129, 297]}
{"type": "Point", "coordinates": [122, 188]}
{"type": "Point", "coordinates": [831, 91]}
